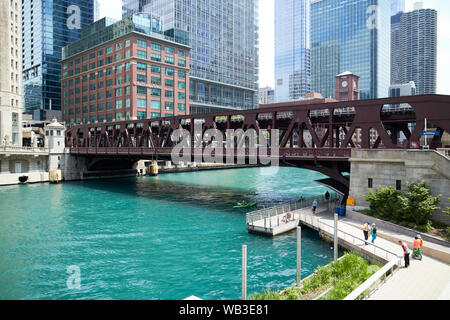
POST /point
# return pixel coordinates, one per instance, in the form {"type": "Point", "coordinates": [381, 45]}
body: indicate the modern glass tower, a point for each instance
{"type": "Point", "coordinates": [351, 35]}
{"type": "Point", "coordinates": [48, 26]}
{"type": "Point", "coordinates": [292, 50]}
{"type": "Point", "coordinates": [415, 49]}
{"type": "Point", "coordinates": [397, 6]}
{"type": "Point", "coordinates": [224, 40]}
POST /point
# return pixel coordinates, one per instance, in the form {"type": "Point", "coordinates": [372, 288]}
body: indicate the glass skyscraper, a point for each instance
{"type": "Point", "coordinates": [224, 55]}
{"type": "Point", "coordinates": [397, 6]}
{"type": "Point", "coordinates": [48, 26]}
{"type": "Point", "coordinates": [292, 50]}
{"type": "Point", "coordinates": [414, 49]}
{"type": "Point", "coordinates": [351, 35]}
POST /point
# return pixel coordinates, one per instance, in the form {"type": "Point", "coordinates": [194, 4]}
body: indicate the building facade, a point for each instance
{"type": "Point", "coordinates": [397, 6]}
{"type": "Point", "coordinates": [10, 73]}
{"type": "Point", "coordinates": [124, 70]}
{"type": "Point", "coordinates": [224, 40]}
{"type": "Point", "coordinates": [351, 35]}
{"type": "Point", "coordinates": [292, 50]}
{"type": "Point", "coordinates": [48, 26]}
{"type": "Point", "coordinates": [414, 49]}
{"type": "Point", "coordinates": [266, 95]}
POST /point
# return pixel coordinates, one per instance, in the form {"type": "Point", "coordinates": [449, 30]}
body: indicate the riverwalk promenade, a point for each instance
{"type": "Point", "coordinates": [428, 279]}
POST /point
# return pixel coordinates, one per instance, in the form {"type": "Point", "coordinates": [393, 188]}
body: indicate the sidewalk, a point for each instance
{"type": "Point", "coordinates": [428, 279]}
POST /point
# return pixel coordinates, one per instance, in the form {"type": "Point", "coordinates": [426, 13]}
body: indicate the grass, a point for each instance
{"type": "Point", "coordinates": [345, 275]}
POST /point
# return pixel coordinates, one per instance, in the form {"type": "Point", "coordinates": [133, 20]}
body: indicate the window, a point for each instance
{"type": "Point", "coordinates": [182, 53]}
{"type": "Point", "coordinates": [156, 80]}
{"type": "Point", "coordinates": [109, 72]}
{"type": "Point", "coordinates": [92, 66]}
{"type": "Point", "coordinates": [141, 90]}
{"type": "Point", "coordinates": [370, 183]}
{"type": "Point", "coordinates": [169, 60]}
{"type": "Point", "coordinates": [127, 54]}
{"type": "Point", "coordinates": [141, 103]}
{"type": "Point", "coordinates": [181, 85]}
{"type": "Point", "coordinates": [181, 107]}
{"type": "Point", "coordinates": [181, 95]}
{"type": "Point", "coordinates": [155, 57]}
{"type": "Point", "coordinates": [118, 57]}
{"type": "Point", "coordinates": [181, 74]}
{"type": "Point", "coordinates": [119, 46]}
{"type": "Point", "coordinates": [109, 50]}
{"type": "Point", "coordinates": [109, 117]}
{"type": "Point", "coordinates": [155, 104]}
{"type": "Point", "coordinates": [127, 103]}
{"type": "Point", "coordinates": [169, 83]}
{"type": "Point", "coordinates": [169, 94]}
{"type": "Point", "coordinates": [169, 106]}
{"type": "Point", "coordinates": [119, 69]}
{"type": "Point", "coordinates": [155, 115]}
{"type": "Point", "coordinates": [118, 104]}
{"type": "Point", "coordinates": [169, 50]}
{"type": "Point", "coordinates": [141, 66]}
{"type": "Point", "coordinates": [141, 78]}
{"type": "Point", "coordinates": [169, 72]}
{"type": "Point", "coordinates": [118, 116]}
{"type": "Point", "coordinates": [398, 185]}
{"type": "Point", "coordinates": [181, 63]}
{"type": "Point", "coordinates": [108, 60]}
{"type": "Point", "coordinates": [142, 54]}
{"type": "Point", "coordinates": [156, 69]}
{"type": "Point", "coordinates": [100, 53]}
{"type": "Point", "coordinates": [127, 43]}
{"type": "Point", "coordinates": [142, 43]}
{"type": "Point", "coordinates": [141, 115]}
{"type": "Point", "coordinates": [118, 92]}
{"type": "Point", "coordinates": [118, 80]}
{"type": "Point", "coordinates": [101, 107]}
{"type": "Point", "coordinates": [92, 108]}
{"type": "Point", "coordinates": [101, 118]}
{"type": "Point", "coordinates": [156, 47]}
{"type": "Point", "coordinates": [155, 92]}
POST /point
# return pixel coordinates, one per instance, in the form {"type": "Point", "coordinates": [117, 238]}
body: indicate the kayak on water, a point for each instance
{"type": "Point", "coordinates": [247, 205]}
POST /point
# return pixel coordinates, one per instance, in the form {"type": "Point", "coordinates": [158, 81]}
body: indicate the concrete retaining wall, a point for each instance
{"type": "Point", "coordinates": [386, 167]}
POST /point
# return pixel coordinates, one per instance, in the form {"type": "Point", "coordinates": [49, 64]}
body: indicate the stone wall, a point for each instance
{"type": "Point", "coordinates": [386, 167]}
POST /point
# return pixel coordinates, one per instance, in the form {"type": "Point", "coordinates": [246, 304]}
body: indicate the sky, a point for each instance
{"type": "Point", "coordinates": [113, 9]}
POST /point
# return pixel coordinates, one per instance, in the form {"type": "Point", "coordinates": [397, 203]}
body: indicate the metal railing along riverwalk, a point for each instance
{"type": "Point", "coordinates": [267, 214]}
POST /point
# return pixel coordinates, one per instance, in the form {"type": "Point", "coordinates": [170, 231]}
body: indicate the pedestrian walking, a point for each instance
{"type": "Point", "coordinates": [314, 206]}
{"type": "Point", "coordinates": [406, 252]}
{"type": "Point", "coordinates": [366, 230]}
{"type": "Point", "coordinates": [374, 232]}
{"type": "Point", "coordinates": [417, 251]}
{"type": "Point", "coordinates": [327, 196]}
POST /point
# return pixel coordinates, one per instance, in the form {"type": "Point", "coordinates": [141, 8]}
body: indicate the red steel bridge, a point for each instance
{"type": "Point", "coordinates": [318, 137]}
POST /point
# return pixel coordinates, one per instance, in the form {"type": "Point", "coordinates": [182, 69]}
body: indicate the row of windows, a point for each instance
{"type": "Point", "coordinates": [118, 56]}
{"type": "Point", "coordinates": [140, 103]}
{"type": "Point", "coordinates": [117, 116]}
{"type": "Point", "coordinates": [141, 66]}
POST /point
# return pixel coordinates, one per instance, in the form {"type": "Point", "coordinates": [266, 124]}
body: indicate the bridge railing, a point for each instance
{"type": "Point", "coordinates": [303, 203]}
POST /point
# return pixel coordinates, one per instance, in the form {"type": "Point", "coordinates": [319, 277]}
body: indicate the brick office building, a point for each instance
{"type": "Point", "coordinates": [124, 70]}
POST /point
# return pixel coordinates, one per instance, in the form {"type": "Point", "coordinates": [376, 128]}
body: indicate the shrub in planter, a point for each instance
{"type": "Point", "coordinates": [385, 202]}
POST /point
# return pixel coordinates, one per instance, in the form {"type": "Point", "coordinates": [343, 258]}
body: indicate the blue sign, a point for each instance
{"type": "Point", "coordinates": [430, 133]}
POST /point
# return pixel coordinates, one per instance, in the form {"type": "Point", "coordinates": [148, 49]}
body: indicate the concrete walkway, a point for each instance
{"type": "Point", "coordinates": [428, 279]}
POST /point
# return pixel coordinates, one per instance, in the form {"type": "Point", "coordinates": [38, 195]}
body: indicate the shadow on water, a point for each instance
{"type": "Point", "coordinates": [218, 196]}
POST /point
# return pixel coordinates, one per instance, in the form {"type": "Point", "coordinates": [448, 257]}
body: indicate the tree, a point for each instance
{"type": "Point", "coordinates": [385, 202]}
{"type": "Point", "coordinates": [418, 204]}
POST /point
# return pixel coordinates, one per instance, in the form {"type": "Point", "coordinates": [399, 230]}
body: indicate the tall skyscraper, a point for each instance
{"type": "Point", "coordinates": [354, 36]}
{"type": "Point", "coordinates": [223, 36]}
{"type": "Point", "coordinates": [48, 27]}
{"type": "Point", "coordinates": [292, 49]}
{"type": "Point", "coordinates": [414, 50]}
{"type": "Point", "coordinates": [397, 6]}
{"type": "Point", "coordinates": [10, 73]}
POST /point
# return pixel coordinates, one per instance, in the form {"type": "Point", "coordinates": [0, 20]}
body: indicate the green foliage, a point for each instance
{"type": "Point", "coordinates": [345, 275]}
{"type": "Point", "coordinates": [418, 204]}
{"type": "Point", "coordinates": [448, 208]}
{"type": "Point", "coordinates": [384, 201]}
{"type": "Point", "coordinates": [266, 295]}
{"type": "Point", "coordinates": [412, 208]}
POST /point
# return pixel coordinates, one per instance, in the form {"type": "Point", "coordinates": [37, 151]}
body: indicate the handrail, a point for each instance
{"type": "Point", "coordinates": [390, 267]}
{"type": "Point", "coordinates": [289, 207]}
